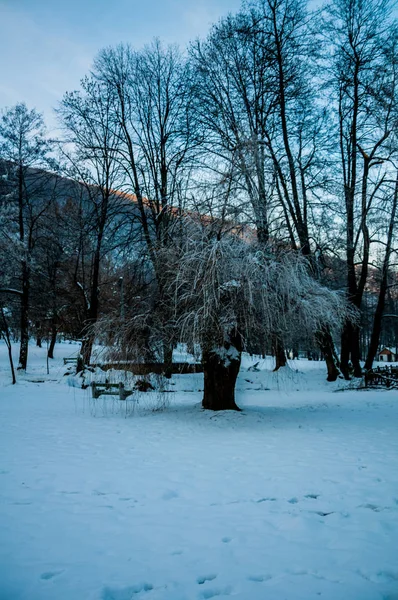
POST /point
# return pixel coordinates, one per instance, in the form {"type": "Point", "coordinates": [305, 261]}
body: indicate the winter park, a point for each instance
{"type": "Point", "coordinates": [199, 300]}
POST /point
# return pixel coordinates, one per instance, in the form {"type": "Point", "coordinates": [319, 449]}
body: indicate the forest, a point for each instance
{"type": "Point", "coordinates": [236, 195]}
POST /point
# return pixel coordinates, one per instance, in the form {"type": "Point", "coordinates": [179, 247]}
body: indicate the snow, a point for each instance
{"type": "Point", "coordinates": [295, 498]}
{"type": "Point", "coordinates": [226, 355]}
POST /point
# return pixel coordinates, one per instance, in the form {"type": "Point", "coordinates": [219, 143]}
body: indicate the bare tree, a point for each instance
{"type": "Point", "coordinates": [152, 107]}
{"type": "Point", "coordinates": [363, 77]}
{"type": "Point", "coordinates": [30, 188]}
{"type": "Point", "coordinates": [90, 128]}
{"type": "Point", "coordinates": [5, 334]}
{"type": "Point", "coordinates": [383, 286]}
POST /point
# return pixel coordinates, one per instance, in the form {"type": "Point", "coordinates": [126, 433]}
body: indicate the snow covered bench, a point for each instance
{"type": "Point", "coordinates": [110, 389]}
{"type": "Point", "coordinates": [70, 360]}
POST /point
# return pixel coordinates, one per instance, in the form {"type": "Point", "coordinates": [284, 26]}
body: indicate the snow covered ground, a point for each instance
{"type": "Point", "coordinates": [295, 498]}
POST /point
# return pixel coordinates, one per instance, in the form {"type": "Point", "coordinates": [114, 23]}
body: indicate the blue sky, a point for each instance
{"type": "Point", "coordinates": [46, 46]}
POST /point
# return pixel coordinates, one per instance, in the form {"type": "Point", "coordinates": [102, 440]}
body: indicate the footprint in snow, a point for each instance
{"type": "Point", "coordinates": [125, 593]}
{"type": "Point", "coordinates": [169, 495]}
{"type": "Point", "coordinates": [49, 575]}
{"type": "Point", "coordinates": [202, 580]}
{"type": "Point", "coordinates": [265, 500]}
{"type": "Point", "coordinates": [373, 507]}
{"type": "Point", "coordinates": [293, 500]}
{"type": "Point", "coordinates": [259, 578]}
{"type": "Point", "coordinates": [226, 540]}
{"type": "Point", "coordinates": [312, 496]}
{"type": "Point", "coordinates": [324, 514]}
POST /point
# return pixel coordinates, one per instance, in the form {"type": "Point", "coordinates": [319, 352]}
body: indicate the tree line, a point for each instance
{"type": "Point", "coordinates": [241, 194]}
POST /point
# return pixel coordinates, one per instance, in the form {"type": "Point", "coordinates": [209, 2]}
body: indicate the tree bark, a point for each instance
{"type": "Point", "coordinates": [325, 342]}
{"type": "Point", "coordinates": [376, 330]}
{"type": "Point", "coordinates": [23, 352]}
{"type": "Point", "coordinates": [355, 351]}
{"type": "Point", "coordinates": [25, 277]}
{"type": "Point", "coordinates": [221, 367]}
{"type": "Point", "coordinates": [280, 354]}
{"type": "Point", "coordinates": [86, 349]}
{"type": "Point", "coordinates": [168, 359]}
{"type": "Point", "coordinates": [52, 341]}
{"type": "Point", "coordinates": [10, 359]}
{"type": "Point", "coordinates": [88, 342]}
{"type": "Point", "coordinates": [5, 332]}
{"type": "Point", "coordinates": [350, 348]}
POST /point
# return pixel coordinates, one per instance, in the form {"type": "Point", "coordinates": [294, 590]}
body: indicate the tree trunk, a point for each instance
{"type": "Point", "coordinates": [87, 348]}
{"type": "Point", "coordinates": [376, 330]}
{"type": "Point", "coordinates": [280, 354]}
{"type": "Point", "coordinates": [14, 379]}
{"type": "Point", "coordinates": [350, 348]}
{"type": "Point", "coordinates": [221, 367]}
{"type": "Point", "coordinates": [52, 341]}
{"type": "Point", "coordinates": [325, 342]}
{"type": "Point", "coordinates": [88, 342]}
{"type": "Point", "coordinates": [355, 351]}
{"type": "Point", "coordinates": [39, 334]}
{"type": "Point", "coordinates": [168, 359]}
{"type": "Point", "coordinates": [345, 350]}
{"type": "Point", "coordinates": [23, 352]}
{"type": "Point", "coordinates": [4, 330]}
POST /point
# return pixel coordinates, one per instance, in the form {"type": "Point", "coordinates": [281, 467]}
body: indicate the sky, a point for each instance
{"type": "Point", "coordinates": [47, 46]}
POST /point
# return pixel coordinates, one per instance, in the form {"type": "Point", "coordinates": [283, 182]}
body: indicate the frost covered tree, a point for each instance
{"type": "Point", "coordinates": [258, 99]}
{"type": "Point", "coordinates": [227, 292]}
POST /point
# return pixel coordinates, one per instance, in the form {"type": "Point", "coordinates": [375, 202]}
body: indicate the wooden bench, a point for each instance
{"type": "Point", "coordinates": [70, 360]}
{"type": "Point", "coordinates": [110, 389]}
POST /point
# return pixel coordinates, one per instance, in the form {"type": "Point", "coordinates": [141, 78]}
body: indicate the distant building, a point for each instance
{"type": "Point", "coordinates": [387, 355]}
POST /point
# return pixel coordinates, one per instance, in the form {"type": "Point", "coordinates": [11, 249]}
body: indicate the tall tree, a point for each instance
{"type": "Point", "coordinates": [90, 128]}
{"type": "Point", "coordinates": [152, 107]}
{"type": "Point", "coordinates": [363, 79]}
{"type": "Point", "coordinates": [383, 285]}
{"type": "Point", "coordinates": [26, 150]}
{"type": "Point", "coordinates": [256, 97]}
